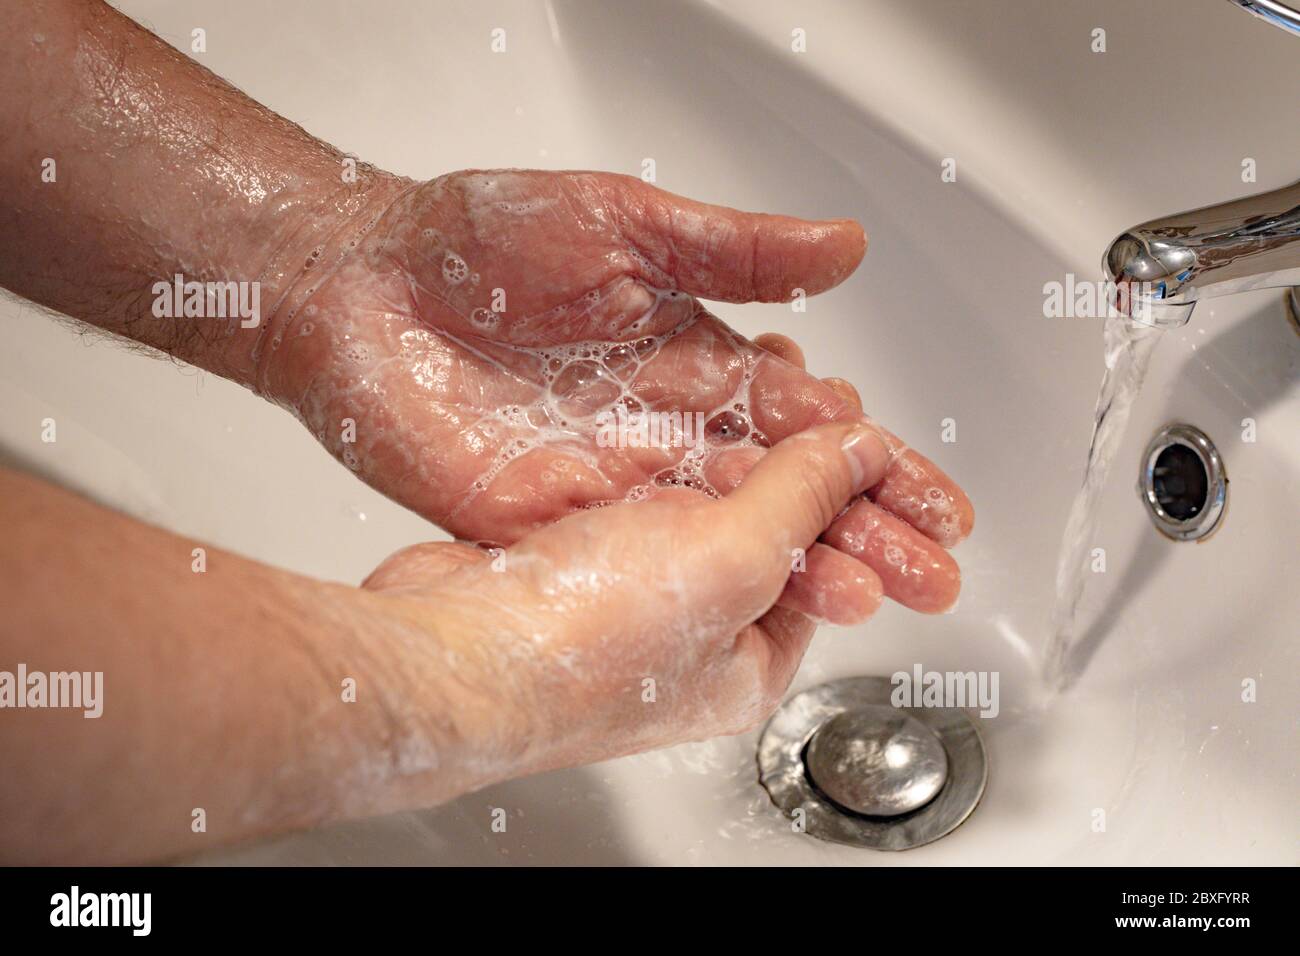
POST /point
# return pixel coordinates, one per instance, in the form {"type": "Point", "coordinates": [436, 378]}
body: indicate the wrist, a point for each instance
{"type": "Point", "coordinates": [310, 237]}
{"type": "Point", "coordinates": [446, 715]}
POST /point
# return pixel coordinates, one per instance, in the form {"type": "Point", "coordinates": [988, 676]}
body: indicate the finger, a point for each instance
{"type": "Point", "coordinates": [423, 564]}
{"type": "Point", "coordinates": [847, 392]}
{"type": "Point", "coordinates": [783, 347]}
{"type": "Point", "coordinates": [926, 579]}
{"type": "Point", "coordinates": [719, 253]}
{"type": "Point", "coordinates": [916, 490]}
{"type": "Point", "coordinates": [785, 401]}
{"type": "Point", "coordinates": [795, 491]}
{"type": "Point", "coordinates": [833, 588]}
{"type": "Point", "coordinates": [915, 571]}
{"type": "Point", "coordinates": [786, 501]}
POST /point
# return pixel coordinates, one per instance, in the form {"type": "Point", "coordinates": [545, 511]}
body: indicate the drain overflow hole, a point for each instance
{"type": "Point", "coordinates": [1181, 482]}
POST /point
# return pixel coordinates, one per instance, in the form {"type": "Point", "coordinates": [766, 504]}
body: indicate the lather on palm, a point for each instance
{"type": "Point", "coordinates": [486, 319]}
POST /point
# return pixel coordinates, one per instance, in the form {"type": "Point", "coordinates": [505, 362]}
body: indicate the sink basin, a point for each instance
{"type": "Point", "coordinates": [1153, 757]}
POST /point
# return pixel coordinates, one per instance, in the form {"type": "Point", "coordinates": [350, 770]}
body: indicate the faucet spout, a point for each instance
{"type": "Point", "coordinates": [1276, 12]}
{"type": "Point", "coordinates": [1162, 268]}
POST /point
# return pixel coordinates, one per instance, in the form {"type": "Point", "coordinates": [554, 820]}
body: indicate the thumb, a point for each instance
{"type": "Point", "coordinates": [719, 253]}
{"type": "Point", "coordinates": [795, 491]}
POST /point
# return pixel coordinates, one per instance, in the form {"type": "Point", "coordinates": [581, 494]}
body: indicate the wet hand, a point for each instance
{"type": "Point", "coordinates": [463, 357]}
{"type": "Point", "coordinates": [635, 626]}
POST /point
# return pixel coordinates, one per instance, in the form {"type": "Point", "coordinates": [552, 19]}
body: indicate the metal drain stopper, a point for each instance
{"type": "Point", "coordinates": [847, 766]}
{"type": "Point", "coordinates": [877, 761]}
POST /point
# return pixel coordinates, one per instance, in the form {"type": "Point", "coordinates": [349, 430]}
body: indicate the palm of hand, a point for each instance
{"type": "Point", "coordinates": [464, 359]}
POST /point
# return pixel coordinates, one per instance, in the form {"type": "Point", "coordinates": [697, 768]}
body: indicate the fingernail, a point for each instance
{"type": "Point", "coordinates": [892, 443]}
{"type": "Point", "coordinates": [868, 457]}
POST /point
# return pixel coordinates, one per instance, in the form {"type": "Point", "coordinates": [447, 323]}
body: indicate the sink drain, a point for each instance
{"type": "Point", "coordinates": [851, 768]}
{"type": "Point", "coordinates": [1183, 482]}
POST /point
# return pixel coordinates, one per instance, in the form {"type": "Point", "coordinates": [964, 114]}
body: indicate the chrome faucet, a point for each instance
{"type": "Point", "coordinates": [1162, 268]}
{"type": "Point", "coordinates": [1274, 11]}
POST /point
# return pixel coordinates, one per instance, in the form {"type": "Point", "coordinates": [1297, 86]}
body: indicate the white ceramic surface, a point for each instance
{"type": "Point", "coordinates": [1057, 150]}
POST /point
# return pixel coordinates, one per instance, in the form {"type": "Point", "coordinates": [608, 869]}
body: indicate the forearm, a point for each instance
{"type": "Point", "coordinates": [222, 690]}
{"type": "Point", "coordinates": [126, 164]}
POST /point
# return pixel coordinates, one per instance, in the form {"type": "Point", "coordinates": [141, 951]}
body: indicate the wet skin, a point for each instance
{"type": "Point", "coordinates": [460, 350]}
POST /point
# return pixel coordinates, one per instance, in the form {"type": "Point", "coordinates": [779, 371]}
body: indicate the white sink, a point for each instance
{"type": "Point", "coordinates": [1058, 149]}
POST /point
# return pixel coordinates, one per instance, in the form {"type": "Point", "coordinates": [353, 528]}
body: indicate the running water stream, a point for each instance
{"type": "Point", "coordinates": [1128, 348]}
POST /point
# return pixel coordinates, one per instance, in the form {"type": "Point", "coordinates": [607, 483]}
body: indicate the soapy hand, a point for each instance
{"type": "Point", "coordinates": [631, 627]}
{"type": "Point", "coordinates": [469, 357]}
{"type": "Point", "coordinates": [461, 345]}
